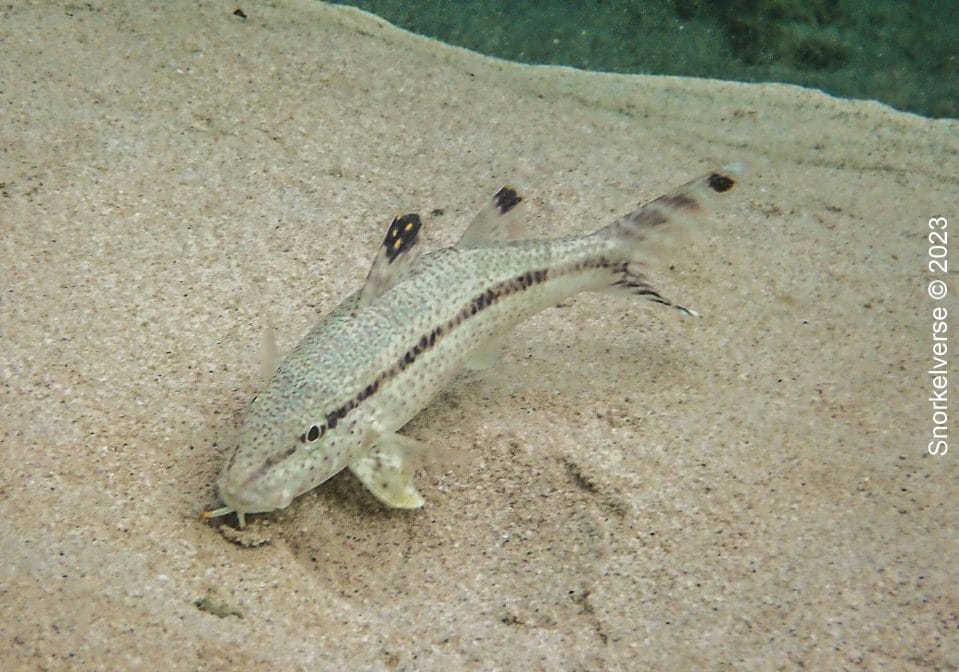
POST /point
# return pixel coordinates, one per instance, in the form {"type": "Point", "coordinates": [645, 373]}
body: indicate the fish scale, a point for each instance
{"type": "Point", "coordinates": [362, 373]}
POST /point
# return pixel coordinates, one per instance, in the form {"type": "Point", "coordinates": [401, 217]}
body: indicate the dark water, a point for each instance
{"type": "Point", "coordinates": [905, 54]}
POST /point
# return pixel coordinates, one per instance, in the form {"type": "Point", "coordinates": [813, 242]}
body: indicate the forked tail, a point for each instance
{"type": "Point", "coordinates": [645, 235]}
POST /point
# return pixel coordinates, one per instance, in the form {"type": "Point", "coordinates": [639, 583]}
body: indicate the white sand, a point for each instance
{"type": "Point", "coordinates": [640, 491]}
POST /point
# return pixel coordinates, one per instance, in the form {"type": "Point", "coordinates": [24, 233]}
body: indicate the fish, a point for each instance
{"type": "Point", "coordinates": [339, 399]}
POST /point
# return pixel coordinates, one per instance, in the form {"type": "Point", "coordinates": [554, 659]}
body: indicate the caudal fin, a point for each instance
{"type": "Point", "coordinates": [650, 232]}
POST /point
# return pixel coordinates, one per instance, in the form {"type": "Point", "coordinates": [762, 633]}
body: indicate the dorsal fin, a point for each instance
{"type": "Point", "coordinates": [495, 221]}
{"type": "Point", "coordinates": [396, 256]}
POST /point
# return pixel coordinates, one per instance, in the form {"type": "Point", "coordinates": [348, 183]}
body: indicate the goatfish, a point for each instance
{"type": "Point", "coordinates": [339, 398]}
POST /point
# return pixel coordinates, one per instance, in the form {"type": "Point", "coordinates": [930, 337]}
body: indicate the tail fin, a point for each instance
{"type": "Point", "coordinates": [644, 235]}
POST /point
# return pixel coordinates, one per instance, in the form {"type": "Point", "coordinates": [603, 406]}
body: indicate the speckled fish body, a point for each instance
{"type": "Point", "coordinates": [362, 373]}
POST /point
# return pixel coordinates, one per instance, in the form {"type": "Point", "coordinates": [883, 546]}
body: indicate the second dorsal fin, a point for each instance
{"type": "Point", "coordinates": [397, 255]}
{"type": "Point", "coordinates": [496, 221]}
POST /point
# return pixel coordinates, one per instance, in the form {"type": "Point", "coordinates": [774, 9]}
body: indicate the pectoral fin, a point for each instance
{"type": "Point", "coordinates": [386, 470]}
{"type": "Point", "coordinates": [269, 352]}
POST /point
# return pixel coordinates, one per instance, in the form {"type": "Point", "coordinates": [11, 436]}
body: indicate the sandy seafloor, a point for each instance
{"type": "Point", "coordinates": [636, 490]}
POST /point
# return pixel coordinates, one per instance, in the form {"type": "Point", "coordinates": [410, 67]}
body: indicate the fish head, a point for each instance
{"type": "Point", "coordinates": [277, 457]}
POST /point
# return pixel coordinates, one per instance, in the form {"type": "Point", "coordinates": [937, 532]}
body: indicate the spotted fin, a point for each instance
{"type": "Point", "coordinates": [644, 236]}
{"type": "Point", "coordinates": [396, 256]}
{"type": "Point", "coordinates": [663, 221]}
{"type": "Point", "coordinates": [387, 471]}
{"type": "Point", "coordinates": [496, 220]}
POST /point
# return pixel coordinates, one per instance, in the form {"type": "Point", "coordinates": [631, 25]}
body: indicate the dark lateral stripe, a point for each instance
{"type": "Point", "coordinates": [477, 304]}
{"type": "Point", "coordinates": [506, 199]}
{"type": "Point", "coordinates": [268, 462]}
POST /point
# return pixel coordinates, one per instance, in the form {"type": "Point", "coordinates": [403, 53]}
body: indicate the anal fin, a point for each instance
{"type": "Point", "coordinates": [395, 258]}
{"type": "Point", "coordinates": [486, 355]}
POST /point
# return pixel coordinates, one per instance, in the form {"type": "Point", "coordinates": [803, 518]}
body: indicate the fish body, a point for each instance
{"type": "Point", "coordinates": [339, 399]}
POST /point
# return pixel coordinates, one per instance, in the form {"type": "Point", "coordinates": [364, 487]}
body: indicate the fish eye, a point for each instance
{"type": "Point", "coordinates": [315, 432]}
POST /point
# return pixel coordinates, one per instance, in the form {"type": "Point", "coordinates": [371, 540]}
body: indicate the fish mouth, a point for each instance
{"type": "Point", "coordinates": [248, 485]}
{"type": "Point", "coordinates": [239, 509]}
{"type": "Point", "coordinates": [233, 506]}
{"type": "Point", "coordinates": [242, 505]}
{"type": "Point", "coordinates": [225, 511]}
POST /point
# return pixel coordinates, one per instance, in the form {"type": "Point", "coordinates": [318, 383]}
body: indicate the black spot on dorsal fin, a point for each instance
{"type": "Point", "coordinates": [506, 199]}
{"type": "Point", "coordinates": [496, 221]}
{"type": "Point", "coordinates": [402, 235]}
{"type": "Point", "coordinates": [395, 258]}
